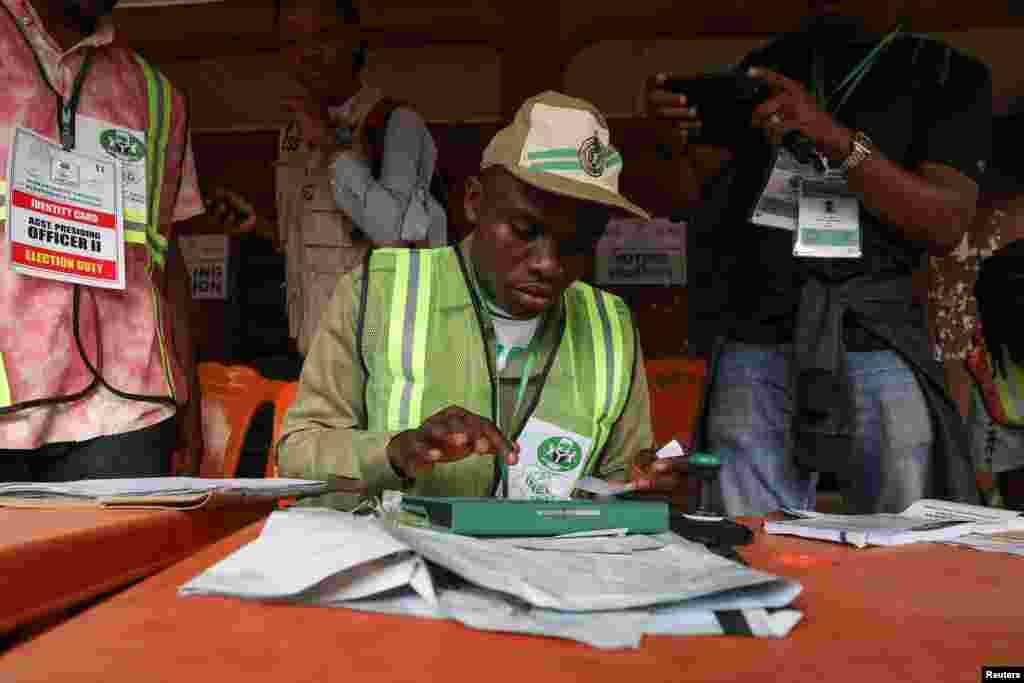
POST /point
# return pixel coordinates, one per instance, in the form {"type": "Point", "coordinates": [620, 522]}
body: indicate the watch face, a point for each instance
{"type": "Point", "coordinates": [343, 135]}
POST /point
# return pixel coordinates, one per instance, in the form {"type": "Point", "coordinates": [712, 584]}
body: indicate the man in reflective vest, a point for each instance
{"type": "Point", "coordinates": [485, 368]}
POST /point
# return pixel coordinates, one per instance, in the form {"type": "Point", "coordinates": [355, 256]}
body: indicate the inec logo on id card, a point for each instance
{"type": "Point", "coordinates": [559, 454]}
{"type": "Point", "coordinates": [122, 145]}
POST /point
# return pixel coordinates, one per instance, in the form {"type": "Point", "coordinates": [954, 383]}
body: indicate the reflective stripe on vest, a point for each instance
{"type": "Point", "coordinates": [5, 388]}
{"type": "Point", "coordinates": [422, 348]}
{"type": "Point", "coordinates": [1011, 391]}
{"type": "Point", "coordinates": [1003, 396]}
{"type": "Point", "coordinates": [407, 337]}
{"type": "Point", "coordinates": [158, 91]}
{"type": "Point", "coordinates": [611, 385]}
{"type": "Point", "coordinates": [159, 97]}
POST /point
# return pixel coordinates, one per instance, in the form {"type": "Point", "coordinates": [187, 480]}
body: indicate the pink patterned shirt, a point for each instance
{"type": "Point", "coordinates": [119, 330]}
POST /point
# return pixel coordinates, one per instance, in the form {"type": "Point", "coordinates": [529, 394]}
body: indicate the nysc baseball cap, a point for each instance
{"type": "Point", "coordinates": [561, 144]}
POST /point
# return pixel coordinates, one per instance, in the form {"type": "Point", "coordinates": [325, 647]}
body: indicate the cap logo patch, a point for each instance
{"type": "Point", "coordinates": [593, 156]}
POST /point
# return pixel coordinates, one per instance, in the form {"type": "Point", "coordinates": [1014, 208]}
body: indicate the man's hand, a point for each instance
{"type": "Point", "coordinates": [449, 435]}
{"type": "Point", "coordinates": [313, 120]}
{"type": "Point", "coordinates": [649, 473]}
{"type": "Point", "coordinates": [793, 108]}
{"type": "Point", "coordinates": [672, 107]}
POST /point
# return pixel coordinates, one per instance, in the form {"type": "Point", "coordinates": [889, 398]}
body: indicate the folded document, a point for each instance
{"type": "Point", "coordinates": [151, 492]}
{"type": "Point", "coordinates": [598, 590]}
{"type": "Point", "coordinates": [926, 520]}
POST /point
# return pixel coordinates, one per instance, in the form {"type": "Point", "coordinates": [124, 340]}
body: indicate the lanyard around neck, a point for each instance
{"type": "Point", "coordinates": [852, 80]}
{"type": "Point", "coordinates": [524, 380]}
{"type": "Point", "coordinates": [65, 108]}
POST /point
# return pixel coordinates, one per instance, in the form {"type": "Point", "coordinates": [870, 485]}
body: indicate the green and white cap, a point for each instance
{"type": "Point", "coordinates": [561, 144]}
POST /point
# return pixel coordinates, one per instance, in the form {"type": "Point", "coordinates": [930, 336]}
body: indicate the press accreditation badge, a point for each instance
{"type": "Point", "coordinates": [828, 224]}
{"type": "Point", "coordinates": [551, 460]}
{"type": "Point", "coordinates": [778, 206]}
{"type": "Point", "coordinates": [64, 219]}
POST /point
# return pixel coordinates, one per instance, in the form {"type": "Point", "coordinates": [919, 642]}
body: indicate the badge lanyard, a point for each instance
{"type": "Point", "coordinates": [65, 108]}
{"type": "Point", "coordinates": [524, 380]}
{"type": "Point", "coordinates": [852, 79]}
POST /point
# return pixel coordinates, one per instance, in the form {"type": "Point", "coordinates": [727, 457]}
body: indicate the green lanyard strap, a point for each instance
{"type": "Point", "coordinates": [524, 380]}
{"type": "Point", "coordinates": [65, 110]}
{"type": "Point", "coordinates": [852, 79]}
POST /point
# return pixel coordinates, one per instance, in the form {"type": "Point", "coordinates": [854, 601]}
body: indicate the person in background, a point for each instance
{"type": "Point", "coordinates": [996, 366]}
{"type": "Point", "coordinates": [486, 368]}
{"type": "Point", "coordinates": [338, 192]}
{"type": "Point", "coordinates": [823, 361]}
{"type": "Point", "coordinates": [96, 382]}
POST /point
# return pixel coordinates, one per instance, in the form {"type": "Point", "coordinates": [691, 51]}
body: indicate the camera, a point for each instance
{"type": "Point", "coordinates": [726, 102]}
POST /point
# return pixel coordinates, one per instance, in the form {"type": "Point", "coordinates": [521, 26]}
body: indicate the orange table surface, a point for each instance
{"type": "Point", "coordinates": [54, 559]}
{"type": "Point", "coordinates": [914, 613]}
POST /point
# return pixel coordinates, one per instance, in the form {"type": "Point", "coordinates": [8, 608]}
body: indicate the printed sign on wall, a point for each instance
{"type": "Point", "coordinates": [638, 252]}
{"type": "Point", "coordinates": [206, 257]}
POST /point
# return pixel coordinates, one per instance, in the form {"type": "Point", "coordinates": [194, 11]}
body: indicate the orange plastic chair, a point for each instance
{"type": "Point", "coordinates": [675, 386]}
{"type": "Point", "coordinates": [231, 395]}
{"type": "Point", "coordinates": [283, 399]}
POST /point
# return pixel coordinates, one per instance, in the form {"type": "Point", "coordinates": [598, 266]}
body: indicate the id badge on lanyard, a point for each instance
{"type": "Point", "coordinates": [65, 216]}
{"type": "Point", "coordinates": [828, 223]}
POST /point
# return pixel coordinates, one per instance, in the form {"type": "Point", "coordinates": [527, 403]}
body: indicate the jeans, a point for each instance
{"type": "Point", "coordinates": [750, 427]}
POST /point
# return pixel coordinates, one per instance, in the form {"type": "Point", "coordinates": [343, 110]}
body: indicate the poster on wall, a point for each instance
{"type": "Point", "coordinates": [638, 252]}
{"type": "Point", "coordinates": [206, 257]}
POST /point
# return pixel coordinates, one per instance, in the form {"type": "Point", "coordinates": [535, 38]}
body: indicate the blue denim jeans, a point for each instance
{"type": "Point", "coordinates": [750, 427]}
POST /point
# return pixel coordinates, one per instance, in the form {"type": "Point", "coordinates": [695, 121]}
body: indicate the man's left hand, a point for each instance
{"type": "Point", "coordinates": [793, 108]}
{"type": "Point", "coordinates": [313, 121]}
{"type": "Point", "coordinates": [649, 473]}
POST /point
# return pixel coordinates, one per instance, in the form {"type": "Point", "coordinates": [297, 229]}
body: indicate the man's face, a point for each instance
{"type": "Point", "coordinates": [529, 244]}
{"type": "Point", "coordinates": [322, 67]}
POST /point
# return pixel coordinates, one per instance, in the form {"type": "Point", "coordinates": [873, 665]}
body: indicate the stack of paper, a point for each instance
{"type": "Point", "coordinates": [606, 591]}
{"type": "Point", "coordinates": [925, 520]}
{"type": "Point", "coordinates": [181, 492]}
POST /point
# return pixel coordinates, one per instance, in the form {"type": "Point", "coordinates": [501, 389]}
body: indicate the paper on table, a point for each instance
{"type": "Point", "coordinates": [160, 486]}
{"type": "Point", "coordinates": [924, 521]}
{"type": "Point", "coordinates": [299, 549]}
{"type": "Point", "coordinates": [583, 581]}
{"type": "Point", "coordinates": [404, 583]}
{"type": "Point", "coordinates": [1010, 542]}
{"type": "Point", "coordinates": [621, 545]}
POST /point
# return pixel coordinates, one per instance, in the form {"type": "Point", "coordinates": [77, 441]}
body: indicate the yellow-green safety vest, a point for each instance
{"type": "Point", "coordinates": [420, 338]}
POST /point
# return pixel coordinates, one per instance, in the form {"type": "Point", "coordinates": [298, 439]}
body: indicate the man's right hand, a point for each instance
{"type": "Point", "coordinates": [672, 107]}
{"type": "Point", "coordinates": [449, 435]}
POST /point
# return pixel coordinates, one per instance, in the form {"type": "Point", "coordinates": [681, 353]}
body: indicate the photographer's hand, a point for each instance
{"type": "Point", "coordinates": [672, 107]}
{"type": "Point", "coordinates": [793, 108]}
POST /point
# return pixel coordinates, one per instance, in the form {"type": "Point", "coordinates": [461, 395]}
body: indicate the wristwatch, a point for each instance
{"type": "Point", "coordinates": [862, 148]}
{"type": "Point", "coordinates": [343, 136]}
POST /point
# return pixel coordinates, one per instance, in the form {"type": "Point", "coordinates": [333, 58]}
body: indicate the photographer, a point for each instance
{"type": "Point", "coordinates": [821, 359]}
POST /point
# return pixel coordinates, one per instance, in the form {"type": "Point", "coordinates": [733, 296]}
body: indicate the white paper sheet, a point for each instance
{"type": "Point", "coordinates": [329, 558]}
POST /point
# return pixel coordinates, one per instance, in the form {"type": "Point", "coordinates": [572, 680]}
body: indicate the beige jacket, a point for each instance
{"type": "Point", "coordinates": [317, 236]}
